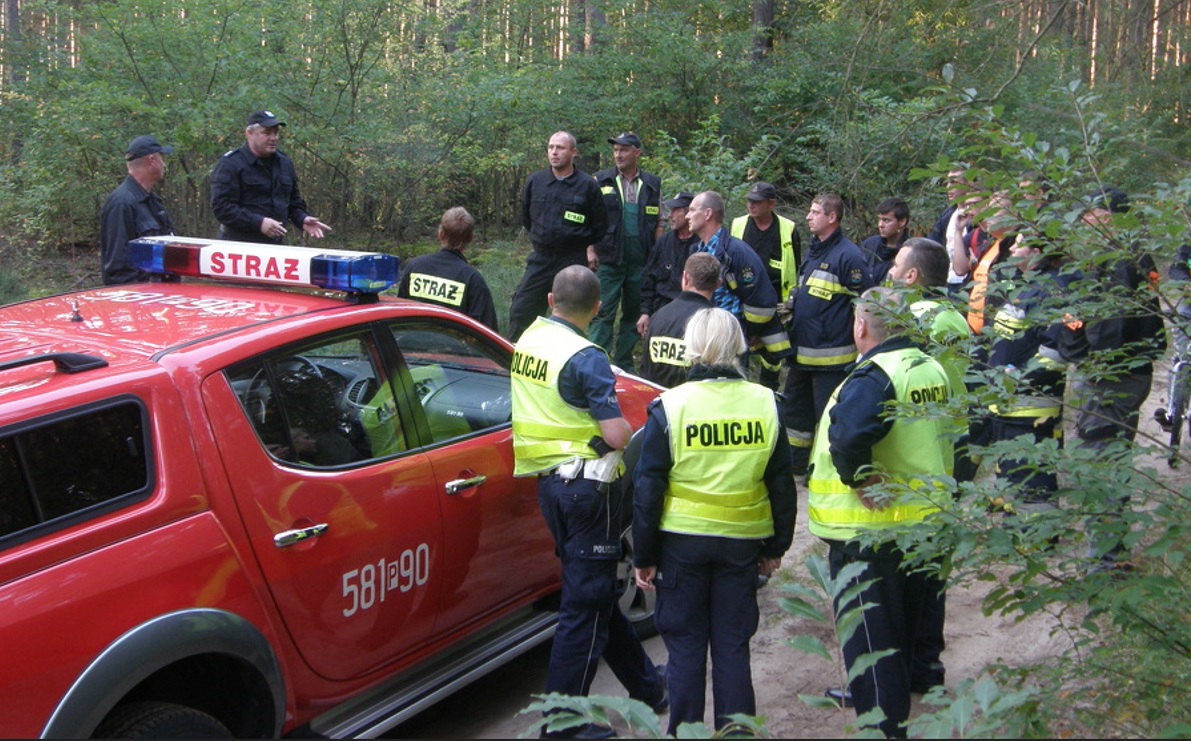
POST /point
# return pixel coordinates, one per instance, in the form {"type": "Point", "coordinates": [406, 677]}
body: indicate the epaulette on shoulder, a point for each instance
{"type": "Point", "coordinates": [228, 152]}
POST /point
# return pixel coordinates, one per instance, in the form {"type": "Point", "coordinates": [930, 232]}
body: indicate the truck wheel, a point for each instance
{"type": "Point", "coordinates": [159, 720]}
{"type": "Point", "coordinates": [637, 604]}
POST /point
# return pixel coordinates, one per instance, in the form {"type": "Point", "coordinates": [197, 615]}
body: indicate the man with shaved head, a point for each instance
{"type": "Point", "coordinates": [563, 211]}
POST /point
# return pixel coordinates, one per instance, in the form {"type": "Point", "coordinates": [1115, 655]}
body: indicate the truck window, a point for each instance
{"type": "Point", "coordinates": [68, 466]}
{"type": "Point", "coordinates": [323, 405]}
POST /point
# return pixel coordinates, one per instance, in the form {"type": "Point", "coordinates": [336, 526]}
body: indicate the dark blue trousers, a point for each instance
{"type": "Point", "coordinates": [806, 395]}
{"type": "Point", "coordinates": [590, 622]}
{"type": "Point", "coordinates": [529, 298]}
{"type": "Point", "coordinates": [895, 601]}
{"type": "Point", "coordinates": [707, 598]}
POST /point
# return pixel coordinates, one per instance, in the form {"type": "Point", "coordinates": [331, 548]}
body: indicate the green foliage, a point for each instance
{"type": "Point", "coordinates": [805, 602]}
{"type": "Point", "coordinates": [567, 711]}
{"type": "Point", "coordinates": [632, 718]}
{"type": "Point", "coordinates": [710, 163]}
{"type": "Point", "coordinates": [12, 288]}
{"type": "Point", "coordinates": [397, 112]}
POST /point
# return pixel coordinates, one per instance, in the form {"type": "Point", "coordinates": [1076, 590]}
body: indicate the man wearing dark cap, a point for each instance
{"type": "Point", "coordinates": [133, 210]}
{"type": "Point", "coordinates": [254, 189]}
{"type": "Point", "coordinates": [662, 281]}
{"type": "Point", "coordinates": [633, 199]}
{"type": "Point", "coordinates": [778, 248]}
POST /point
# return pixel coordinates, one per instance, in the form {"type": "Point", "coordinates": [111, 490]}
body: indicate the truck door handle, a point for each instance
{"type": "Point", "coordinates": [292, 537]}
{"type": "Point", "coordinates": [457, 485]}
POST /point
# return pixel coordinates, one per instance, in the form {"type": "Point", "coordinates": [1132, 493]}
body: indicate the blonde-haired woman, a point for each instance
{"type": "Point", "coordinates": [714, 506]}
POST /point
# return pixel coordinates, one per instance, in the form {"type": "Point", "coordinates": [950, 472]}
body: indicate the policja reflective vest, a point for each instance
{"type": "Point", "coordinates": [722, 434]}
{"type": "Point", "coordinates": [915, 453]}
{"type": "Point", "coordinates": [547, 431]}
{"type": "Point", "coordinates": [787, 262]}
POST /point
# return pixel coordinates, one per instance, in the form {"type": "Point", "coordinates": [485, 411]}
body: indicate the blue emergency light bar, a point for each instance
{"type": "Point", "coordinates": [336, 270]}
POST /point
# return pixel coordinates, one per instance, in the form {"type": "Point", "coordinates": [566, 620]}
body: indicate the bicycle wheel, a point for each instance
{"type": "Point", "coordinates": [1178, 404]}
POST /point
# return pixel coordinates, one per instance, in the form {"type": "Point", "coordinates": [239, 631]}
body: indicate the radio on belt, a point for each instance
{"type": "Point", "coordinates": [365, 273]}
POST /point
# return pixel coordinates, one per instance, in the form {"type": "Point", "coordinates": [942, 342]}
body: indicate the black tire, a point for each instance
{"type": "Point", "coordinates": [159, 720]}
{"type": "Point", "coordinates": [637, 604]}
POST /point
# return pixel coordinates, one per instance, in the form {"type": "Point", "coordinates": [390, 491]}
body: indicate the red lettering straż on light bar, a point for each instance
{"type": "Point", "coordinates": [340, 270]}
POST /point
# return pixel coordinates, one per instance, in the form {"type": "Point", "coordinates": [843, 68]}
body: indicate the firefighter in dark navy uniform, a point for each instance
{"type": "Point", "coordinates": [746, 291]}
{"type": "Point", "coordinates": [664, 359]}
{"type": "Point", "coordinates": [569, 432]}
{"type": "Point", "coordinates": [662, 281]}
{"type": "Point", "coordinates": [446, 278]}
{"type": "Point", "coordinates": [714, 508]}
{"type": "Point", "coordinates": [254, 189]}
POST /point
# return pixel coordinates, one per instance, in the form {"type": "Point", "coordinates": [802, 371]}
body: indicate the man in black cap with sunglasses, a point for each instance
{"type": "Point", "coordinates": [254, 189]}
{"type": "Point", "coordinates": [133, 210]}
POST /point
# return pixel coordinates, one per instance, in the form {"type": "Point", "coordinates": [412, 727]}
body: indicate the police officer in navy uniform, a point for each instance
{"type": "Point", "coordinates": [872, 472]}
{"type": "Point", "coordinates": [714, 507]}
{"type": "Point", "coordinates": [446, 278]}
{"type": "Point", "coordinates": [133, 210]}
{"type": "Point", "coordinates": [564, 213]}
{"type": "Point", "coordinates": [664, 360]}
{"type": "Point", "coordinates": [568, 431]}
{"type": "Point", "coordinates": [254, 189]}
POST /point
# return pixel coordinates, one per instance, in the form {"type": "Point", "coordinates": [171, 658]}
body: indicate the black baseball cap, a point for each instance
{"type": "Point", "coordinates": [682, 200]}
{"type": "Point", "coordinates": [762, 192]}
{"type": "Point", "coordinates": [1112, 199]}
{"type": "Point", "coordinates": [627, 139]}
{"type": "Point", "coordinates": [265, 119]}
{"type": "Point", "coordinates": [142, 146]}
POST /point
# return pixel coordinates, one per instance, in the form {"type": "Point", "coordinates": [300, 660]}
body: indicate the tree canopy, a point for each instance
{"type": "Point", "coordinates": [397, 110]}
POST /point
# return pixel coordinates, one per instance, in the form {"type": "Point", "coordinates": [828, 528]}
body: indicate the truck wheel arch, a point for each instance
{"type": "Point", "coordinates": [150, 649]}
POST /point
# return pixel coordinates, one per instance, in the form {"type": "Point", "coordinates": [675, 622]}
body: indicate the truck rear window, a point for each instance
{"type": "Point", "coordinates": [58, 470]}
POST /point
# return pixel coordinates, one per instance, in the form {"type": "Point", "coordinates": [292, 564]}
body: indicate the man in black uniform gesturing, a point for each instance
{"type": "Point", "coordinates": [254, 189]}
{"type": "Point", "coordinates": [564, 212]}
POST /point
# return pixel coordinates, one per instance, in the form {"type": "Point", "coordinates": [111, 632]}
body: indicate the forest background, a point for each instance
{"type": "Point", "coordinates": [397, 111]}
